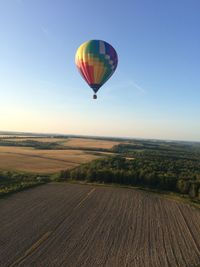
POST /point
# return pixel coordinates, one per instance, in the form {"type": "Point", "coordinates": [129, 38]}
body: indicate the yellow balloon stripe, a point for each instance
{"type": "Point", "coordinates": [100, 73]}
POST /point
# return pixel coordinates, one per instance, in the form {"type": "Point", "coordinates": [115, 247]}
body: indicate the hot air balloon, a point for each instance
{"type": "Point", "coordinates": [96, 61]}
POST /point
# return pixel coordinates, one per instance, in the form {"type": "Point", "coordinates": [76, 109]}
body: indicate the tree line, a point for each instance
{"type": "Point", "coordinates": [163, 174]}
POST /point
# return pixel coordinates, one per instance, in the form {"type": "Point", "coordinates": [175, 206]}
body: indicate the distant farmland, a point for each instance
{"type": "Point", "coordinates": [72, 142]}
{"type": "Point", "coordinates": [92, 143]}
{"type": "Point", "coordinates": [50, 160]}
{"type": "Point", "coordinates": [75, 225]}
{"type": "Point", "coordinates": [42, 161]}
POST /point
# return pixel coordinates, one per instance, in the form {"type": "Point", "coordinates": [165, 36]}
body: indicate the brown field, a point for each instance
{"type": "Point", "coordinates": [50, 161]}
{"type": "Point", "coordinates": [42, 161]}
{"type": "Point", "coordinates": [73, 142]}
{"type": "Point", "coordinates": [14, 136]}
{"type": "Point", "coordinates": [78, 225]}
{"type": "Point", "coordinates": [92, 143]}
{"type": "Point", "coordinates": [39, 139]}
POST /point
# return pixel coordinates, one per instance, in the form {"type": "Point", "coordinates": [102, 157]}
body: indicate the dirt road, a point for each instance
{"type": "Point", "coordinates": [74, 225]}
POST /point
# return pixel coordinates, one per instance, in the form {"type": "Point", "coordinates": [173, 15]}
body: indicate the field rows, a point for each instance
{"type": "Point", "coordinates": [74, 225]}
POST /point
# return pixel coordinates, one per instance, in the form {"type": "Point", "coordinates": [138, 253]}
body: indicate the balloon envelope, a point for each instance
{"type": "Point", "coordinates": [96, 60]}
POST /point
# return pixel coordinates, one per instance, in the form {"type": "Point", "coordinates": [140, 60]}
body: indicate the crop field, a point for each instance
{"type": "Point", "coordinates": [41, 161]}
{"type": "Point", "coordinates": [24, 158]}
{"type": "Point", "coordinates": [80, 225]}
{"type": "Point", "coordinates": [91, 143]}
{"type": "Point", "coordinates": [72, 142]}
{"type": "Point", "coordinates": [39, 139]}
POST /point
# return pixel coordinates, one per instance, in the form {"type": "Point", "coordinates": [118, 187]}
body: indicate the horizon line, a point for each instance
{"type": "Point", "coordinates": [95, 136]}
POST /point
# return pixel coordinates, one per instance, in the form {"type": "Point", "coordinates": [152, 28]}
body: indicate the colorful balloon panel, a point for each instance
{"type": "Point", "coordinates": [96, 60]}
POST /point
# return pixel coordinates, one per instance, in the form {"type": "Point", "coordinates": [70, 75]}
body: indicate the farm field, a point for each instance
{"type": "Point", "coordinates": [41, 161]}
{"type": "Point", "coordinates": [73, 152]}
{"type": "Point", "coordinates": [80, 225]}
{"type": "Point", "coordinates": [91, 143]}
{"type": "Point", "coordinates": [71, 142]}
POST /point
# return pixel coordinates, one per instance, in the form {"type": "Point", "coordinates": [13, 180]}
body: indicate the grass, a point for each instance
{"type": "Point", "coordinates": [11, 182]}
{"type": "Point", "coordinates": [17, 187]}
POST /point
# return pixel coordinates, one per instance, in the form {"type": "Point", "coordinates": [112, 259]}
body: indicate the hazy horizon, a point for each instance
{"type": "Point", "coordinates": [154, 93]}
{"type": "Point", "coordinates": [95, 136]}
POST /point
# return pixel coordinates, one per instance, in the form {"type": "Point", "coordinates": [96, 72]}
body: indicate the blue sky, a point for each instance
{"type": "Point", "coordinates": [154, 93]}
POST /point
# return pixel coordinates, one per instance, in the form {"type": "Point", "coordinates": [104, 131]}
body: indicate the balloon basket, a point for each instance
{"type": "Point", "coordinates": [94, 96]}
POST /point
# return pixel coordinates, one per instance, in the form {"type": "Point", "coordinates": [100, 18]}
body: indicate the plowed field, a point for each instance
{"type": "Point", "coordinates": [76, 225]}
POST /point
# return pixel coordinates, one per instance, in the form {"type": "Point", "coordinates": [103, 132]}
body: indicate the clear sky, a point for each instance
{"type": "Point", "coordinates": [154, 93]}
